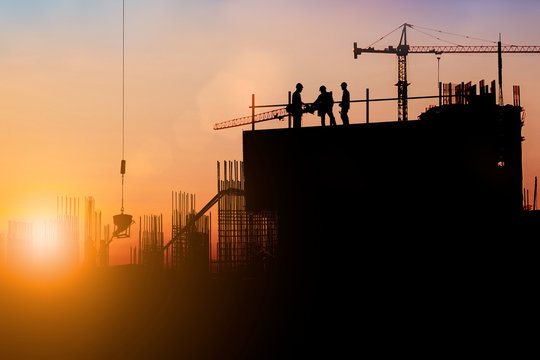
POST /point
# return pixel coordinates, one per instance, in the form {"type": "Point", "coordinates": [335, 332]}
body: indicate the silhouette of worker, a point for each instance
{"type": "Point", "coordinates": [297, 106]}
{"type": "Point", "coordinates": [324, 105]}
{"type": "Point", "coordinates": [345, 104]}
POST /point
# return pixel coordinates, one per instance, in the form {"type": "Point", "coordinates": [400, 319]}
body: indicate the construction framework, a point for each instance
{"type": "Point", "coordinates": [149, 251]}
{"type": "Point", "coordinates": [247, 241]}
{"type": "Point", "coordinates": [190, 250]}
{"type": "Point", "coordinates": [92, 231]}
{"type": "Point", "coordinates": [67, 229]}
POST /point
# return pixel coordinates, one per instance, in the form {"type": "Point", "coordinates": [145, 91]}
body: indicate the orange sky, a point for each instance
{"type": "Point", "coordinates": [191, 64]}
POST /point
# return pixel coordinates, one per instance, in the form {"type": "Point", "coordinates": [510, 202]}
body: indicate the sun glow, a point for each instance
{"type": "Point", "coordinates": [41, 247]}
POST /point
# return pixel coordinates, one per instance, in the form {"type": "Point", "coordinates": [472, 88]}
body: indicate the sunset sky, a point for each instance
{"type": "Point", "coordinates": [190, 64]}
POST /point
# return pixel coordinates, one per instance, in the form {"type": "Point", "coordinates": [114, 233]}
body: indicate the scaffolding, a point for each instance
{"type": "Point", "coordinates": [94, 238]}
{"type": "Point", "coordinates": [460, 93]}
{"type": "Point", "coordinates": [150, 249]}
{"type": "Point", "coordinates": [104, 243]}
{"type": "Point", "coordinates": [190, 252]}
{"type": "Point", "coordinates": [67, 230]}
{"type": "Point", "coordinates": [247, 241]}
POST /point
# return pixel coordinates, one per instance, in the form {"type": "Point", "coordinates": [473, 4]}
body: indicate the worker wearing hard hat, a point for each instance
{"type": "Point", "coordinates": [297, 106]}
{"type": "Point", "coordinates": [324, 105]}
{"type": "Point", "coordinates": [345, 104]}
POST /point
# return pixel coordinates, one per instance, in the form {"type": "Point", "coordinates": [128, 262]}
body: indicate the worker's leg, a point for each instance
{"type": "Point", "coordinates": [345, 116]}
{"type": "Point", "coordinates": [322, 119]}
{"type": "Point", "coordinates": [297, 121]}
{"type": "Point", "coordinates": [332, 118]}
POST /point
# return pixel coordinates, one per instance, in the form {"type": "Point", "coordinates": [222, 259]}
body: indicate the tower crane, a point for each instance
{"type": "Point", "coordinates": [403, 49]}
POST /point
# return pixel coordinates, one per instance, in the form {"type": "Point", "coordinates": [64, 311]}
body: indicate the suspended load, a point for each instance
{"type": "Point", "coordinates": [122, 225]}
{"type": "Point", "coordinates": [122, 222]}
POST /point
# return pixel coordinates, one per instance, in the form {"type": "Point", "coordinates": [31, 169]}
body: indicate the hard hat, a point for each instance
{"type": "Point", "coordinates": [322, 88]}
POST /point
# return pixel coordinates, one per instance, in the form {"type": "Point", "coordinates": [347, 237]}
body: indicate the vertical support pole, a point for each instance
{"type": "Point", "coordinates": [440, 93]}
{"type": "Point", "coordinates": [210, 244]}
{"type": "Point", "coordinates": [172, 227]}
{"type": "Point", "coordinates": [439, 71]}
{"type": "Point", "coordinates": [402, 88]}
{"type": "Point", "coordinates": [252, 111]}
{"type": "Point", "coordinates": [289, 102]}
{"type": "Point", "coordinates": [219, 212]}
{"type": "Point", "coordinates": [534, 196]}
{"type": "Point", "coordinates": [367, 105]}
{"type": "Point", "coordinates": [499, 53]}
{"type": "Point", "coordinates": [517, 100]}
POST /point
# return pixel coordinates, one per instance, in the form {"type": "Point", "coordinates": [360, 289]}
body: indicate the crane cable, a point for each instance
{"type": "Point", "coordinates": [453, 34]}
{"type": "Point", "coordinates": [436, 37]}
{"type": "Point", "coordinates": [123, 162]}
{"type": "Point", "coordinates": [385, 36]}
{"type": "Point", "coordinates": [417, 28]}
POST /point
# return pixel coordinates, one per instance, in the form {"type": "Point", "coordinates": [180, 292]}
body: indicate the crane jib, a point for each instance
{"type": "Point", "coordinates": [426, 49]}
{"type": "Point", "coordinates": [474, 49]}
{"type": "Point", "coordinates": [265, 116]}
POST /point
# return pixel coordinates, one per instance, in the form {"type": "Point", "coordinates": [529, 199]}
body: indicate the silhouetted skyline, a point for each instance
{"type": "Point", "coordinates": [190, 65]}
{"type": "Point", "coordinates": [413, 231]}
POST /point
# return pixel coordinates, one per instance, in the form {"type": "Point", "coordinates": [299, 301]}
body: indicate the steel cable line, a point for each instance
{"type": "Point", "coordinates": [453, 34]}
{"type": "Point", "coordinates": [123, 162]}
{"type": "Point", "coordinates": [385, 35]}
{"type": "Point", "coordinates": [438, 38]}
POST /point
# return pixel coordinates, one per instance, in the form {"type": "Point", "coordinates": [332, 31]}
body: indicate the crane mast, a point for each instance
{"type": "Point", "coordinates": [402, 84]}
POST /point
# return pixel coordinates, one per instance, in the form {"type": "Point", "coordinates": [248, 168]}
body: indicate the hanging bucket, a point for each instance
{"type": "Point", "coordinates": [122, 225]}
